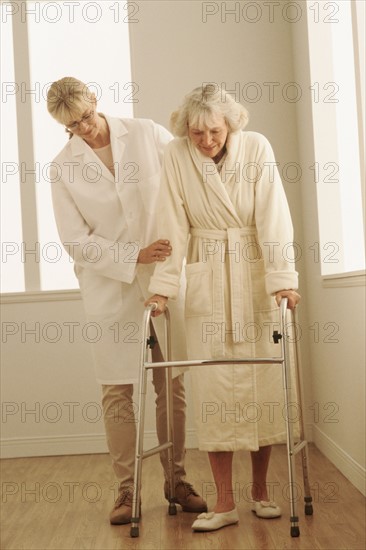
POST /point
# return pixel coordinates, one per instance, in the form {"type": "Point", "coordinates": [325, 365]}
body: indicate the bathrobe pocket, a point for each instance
{"type": "Point", "coordinates": [199, 290]}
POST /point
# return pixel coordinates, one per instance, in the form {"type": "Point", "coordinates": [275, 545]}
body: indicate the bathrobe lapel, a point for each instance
{"type": "Point", "coordinates": [218, 196]}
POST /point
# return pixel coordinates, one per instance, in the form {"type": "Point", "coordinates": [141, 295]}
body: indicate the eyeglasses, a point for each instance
{"type": "Point", "coordinates": [86, 119]}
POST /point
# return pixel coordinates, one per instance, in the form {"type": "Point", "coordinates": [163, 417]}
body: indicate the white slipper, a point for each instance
{"type": "Point", "coordinates": [266, 510]}
{"type": "Point", "coordinates": [211, 521]}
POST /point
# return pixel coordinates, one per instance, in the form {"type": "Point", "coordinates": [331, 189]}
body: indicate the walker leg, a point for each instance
{"type": "Point", "coordinates": [172, 508]}
{"type": "Point", "coordinates": [295, 531]}
{"type": "Point", "coordinates": [134, 531]}
{"type": "Point", "coordinates": [308, 499]}
{"type": "Point", "coordinates": [136, 506]}
{"type": "Point", "coordinates": [135, 519]}
{"type": "Point", "coordinates": [304, 452]}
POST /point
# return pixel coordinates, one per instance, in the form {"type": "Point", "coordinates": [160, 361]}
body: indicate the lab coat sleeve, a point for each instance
{"type": "Point", "coordinates": [173, 224]}
{"type": "Point", "coordinates": [274, 225]}
{"type": "Point", "coordinates": [162, 138]}
{"type": "Point", "coordinates": [116, 260]}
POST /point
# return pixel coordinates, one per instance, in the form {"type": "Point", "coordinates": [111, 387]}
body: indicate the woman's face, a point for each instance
{"type": "Point", "coordinates": [210, 140]}
{"type": "Point", "coordinates": [87, 126]}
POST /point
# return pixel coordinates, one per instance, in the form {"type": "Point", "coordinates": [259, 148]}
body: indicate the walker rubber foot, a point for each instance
{"type": "Point", "coordinates": [172, 510]}
{"type": "Point", "coordinates": [134, 532]}
{"type": "Point", "coordinates": [308, 509]}
{"type": "Point", "coordinates": [295, 531]}
{"type": "Point", "coordinates": [308, 506]}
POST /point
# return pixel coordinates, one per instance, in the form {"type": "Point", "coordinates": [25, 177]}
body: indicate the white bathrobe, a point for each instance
{"type": "Point", "coordinates": [235, 230]}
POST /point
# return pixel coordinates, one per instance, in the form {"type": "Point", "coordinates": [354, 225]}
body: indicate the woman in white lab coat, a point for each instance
{"type": "Point", "coordinates": [228, 214]}
{"type": "Point", "coordinates": [105, 183]}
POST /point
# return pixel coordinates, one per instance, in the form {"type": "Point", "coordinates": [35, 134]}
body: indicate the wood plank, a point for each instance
{"type": "Point", "coordinates": [63, 503]}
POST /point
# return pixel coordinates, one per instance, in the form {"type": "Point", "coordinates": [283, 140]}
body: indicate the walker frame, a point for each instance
{"type": "Point", "coordinates": [280, 337]}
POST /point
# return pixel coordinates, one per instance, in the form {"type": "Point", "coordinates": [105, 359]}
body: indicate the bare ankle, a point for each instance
{"type": "Point", "coordinates": [222, 507]}
{"type": "Point", "coordinates": [260, 496]}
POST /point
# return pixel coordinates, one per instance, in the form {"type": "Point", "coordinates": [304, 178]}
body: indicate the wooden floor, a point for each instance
{"type": "Point", "coordinates": [63, 503]}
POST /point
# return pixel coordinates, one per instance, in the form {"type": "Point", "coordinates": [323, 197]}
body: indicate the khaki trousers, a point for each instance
{"type": "Point", "coordinates": [120, 424]}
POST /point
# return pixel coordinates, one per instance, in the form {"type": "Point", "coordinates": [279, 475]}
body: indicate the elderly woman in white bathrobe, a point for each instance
{"type": "Point", "coordinates": [222, 200]}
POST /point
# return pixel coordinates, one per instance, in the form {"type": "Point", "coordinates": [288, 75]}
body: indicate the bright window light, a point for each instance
{"type": "Point", "coordinates": [87, 40]}
{"type": "Point", "coordinates": [337, 142]}
{"type": "Point", "coordinates": [12, 272]}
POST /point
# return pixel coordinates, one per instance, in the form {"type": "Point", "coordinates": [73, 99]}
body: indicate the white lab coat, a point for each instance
{"type": "Point", "coordinates": [103, 222]}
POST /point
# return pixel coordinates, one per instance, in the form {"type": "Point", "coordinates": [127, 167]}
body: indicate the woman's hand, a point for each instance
{"type": "Point", "coordinates": [292, 296]}
{"type": "Point", "coordinates": [155, 252]}
{"type": "Point", "coordinates": [161, 302]}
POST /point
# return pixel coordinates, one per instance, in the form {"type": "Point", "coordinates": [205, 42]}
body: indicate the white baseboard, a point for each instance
{"type": "Point", "coordinates": [72, 445]}
{"type": "Point", "coordinates": [351, 469]}
{"type": "Point", "coordinates": [53, 446]}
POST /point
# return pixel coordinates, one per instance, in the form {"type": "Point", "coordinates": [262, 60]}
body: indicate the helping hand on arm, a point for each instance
{"type": "Point", "coordinates": [155, 252]}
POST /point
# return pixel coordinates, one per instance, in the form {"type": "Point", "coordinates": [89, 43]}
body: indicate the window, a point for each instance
{"type": "Point", "coordinates": [88, 40]}
{"type": "Point", "coordinates": [11, 223]}
{"type": "Point", "coordinates": [335, 59]}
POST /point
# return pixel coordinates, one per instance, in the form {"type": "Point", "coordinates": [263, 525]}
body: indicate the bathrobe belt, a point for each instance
{"type": "Point", "coordinates": [232, 243]}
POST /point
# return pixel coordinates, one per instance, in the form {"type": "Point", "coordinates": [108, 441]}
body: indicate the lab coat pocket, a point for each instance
{"type": "Point", "coordinates": [102, 296]}
{"type": "Point", "coordinates": [199, 290]}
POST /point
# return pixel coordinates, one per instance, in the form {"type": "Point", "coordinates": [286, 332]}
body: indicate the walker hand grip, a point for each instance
{"type": "Point", "coordinates": [277, 335]}
{"type": "Point", "coordinates": [283, 303]}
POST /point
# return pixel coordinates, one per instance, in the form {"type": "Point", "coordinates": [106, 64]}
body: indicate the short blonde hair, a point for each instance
{"type": "Point", "coordinates": [68, 99]}
{"type": "Point", "coordinates": [203, 104]}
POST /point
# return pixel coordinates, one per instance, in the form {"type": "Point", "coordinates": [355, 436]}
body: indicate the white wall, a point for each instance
{"type": "Point", "coordinates": [337, 308]}
{"type": "Point", "coordinates": [173, 50]}
{"type": "Point", "coordinates": [50, 399]}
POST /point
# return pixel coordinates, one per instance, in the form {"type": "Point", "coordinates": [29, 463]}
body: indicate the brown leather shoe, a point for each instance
{"type": "Point", "coordinates": [122, 509]}
{"type": "Point", "coordinates": [187, 497]}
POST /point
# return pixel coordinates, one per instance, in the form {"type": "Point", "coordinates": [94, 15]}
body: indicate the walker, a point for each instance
{"type": "Point", "coordinates": [279, 337]}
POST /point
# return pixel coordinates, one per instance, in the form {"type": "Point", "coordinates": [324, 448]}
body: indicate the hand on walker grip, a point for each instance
{"type": "Point", "coordinates": [293, 298]}
{"type": "Point", "coordinates": [159, 303]}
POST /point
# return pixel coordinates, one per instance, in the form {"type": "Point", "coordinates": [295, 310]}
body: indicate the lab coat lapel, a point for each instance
{"type": "Point", "coordinates": [118, 132]}
{"type": "Point", "coordinates": [93, 168]}
{"type": "Point", "coordinates": [88, 157]}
